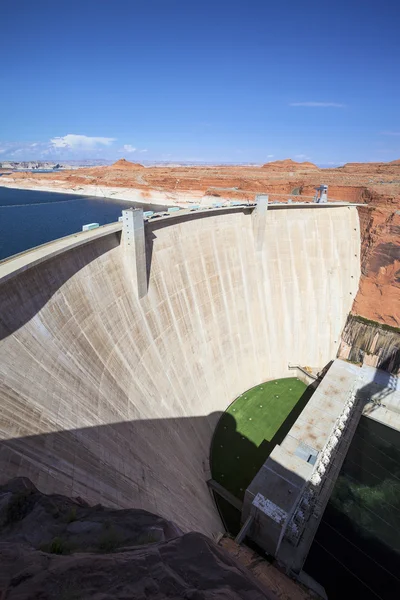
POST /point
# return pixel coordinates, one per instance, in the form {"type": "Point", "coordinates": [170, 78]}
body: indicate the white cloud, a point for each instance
{"type": "Point", "coordinates": [72, 141]}
{"type": "Point", "coordinates": [129, 148]}
{"type": "Point", "coordinates": [70, 146]}
{"type": "Point", "coordinates": [302, 156]}
{"type": "Point", "coordinates": [270, 156]}
{"type": "Point", "coordinates": [390, 132]}
{"type": "Point", "coordinates": [318, 104]}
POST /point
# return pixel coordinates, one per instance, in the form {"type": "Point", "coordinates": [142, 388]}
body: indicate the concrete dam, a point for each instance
{"type": "Point", "coordinates": [114, 395]}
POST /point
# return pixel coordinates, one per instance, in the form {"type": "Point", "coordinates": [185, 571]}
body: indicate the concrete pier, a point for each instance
{"type": "Point", "coordinates": [134, 249]}
{"type": "Point", "coordinates": [260, 220]}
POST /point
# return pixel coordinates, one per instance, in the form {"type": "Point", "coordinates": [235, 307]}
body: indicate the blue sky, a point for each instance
{"type": "Point", "coordinates": [215, 81]}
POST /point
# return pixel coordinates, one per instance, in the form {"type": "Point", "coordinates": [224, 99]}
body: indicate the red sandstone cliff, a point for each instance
{"type": "Point", "coordinates": [378, 297]}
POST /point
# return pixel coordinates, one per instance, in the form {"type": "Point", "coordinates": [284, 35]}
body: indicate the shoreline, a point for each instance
{"type": "Point", "coordinates": [138, 196]}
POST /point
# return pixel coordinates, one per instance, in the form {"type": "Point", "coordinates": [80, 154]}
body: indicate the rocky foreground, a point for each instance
{"type": "Point", "coordinates": [57, 547]}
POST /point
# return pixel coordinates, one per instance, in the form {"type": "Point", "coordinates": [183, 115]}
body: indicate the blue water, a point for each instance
{"type": "Point", "coordinates": [30, 218]}
{"type": "Point", "coordinates": [357, 546]}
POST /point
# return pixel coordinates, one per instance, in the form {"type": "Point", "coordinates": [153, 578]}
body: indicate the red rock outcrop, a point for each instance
{"type": "Point", "coordinates": [378, 296]}
{"type": "Point", "coordinates": [122, 163]}
{"type": "Point", "coordinates": [290, 165]}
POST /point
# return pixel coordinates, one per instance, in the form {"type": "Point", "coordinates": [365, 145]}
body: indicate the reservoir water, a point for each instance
{"type": "Point", "coordinates": [356, 552]}
{"type": "Point", "coordinates": [30, 218]}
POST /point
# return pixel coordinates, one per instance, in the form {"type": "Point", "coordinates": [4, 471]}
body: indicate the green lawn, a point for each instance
{"type": "Point", "coordinates": [250, 428]}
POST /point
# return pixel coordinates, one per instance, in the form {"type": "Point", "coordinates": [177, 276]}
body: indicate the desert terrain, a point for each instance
{"type": "Point", "coordinates": [375, 185]}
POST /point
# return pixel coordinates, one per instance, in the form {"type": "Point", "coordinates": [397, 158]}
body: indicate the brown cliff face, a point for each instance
{"type": "Point", "coordinates": [378, 297]}
{"type": "Point", "coordinates": [372, 168]}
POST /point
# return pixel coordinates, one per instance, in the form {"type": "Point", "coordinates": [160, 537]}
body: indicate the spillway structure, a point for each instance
{"type": "Point", "coordinates": [121, 347]}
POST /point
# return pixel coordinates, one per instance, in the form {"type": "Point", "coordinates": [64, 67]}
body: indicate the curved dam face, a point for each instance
{"type": "Point", "coordinates": [114, 398]}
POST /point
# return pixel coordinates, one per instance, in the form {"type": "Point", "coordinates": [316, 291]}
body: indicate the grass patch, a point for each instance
{"type": "Point", "coordinates": [70, 517]}
{"type": "Point", "coordinates": [269, 404]}
{"type": "Point", "coordinates": [146, 538]}
{"type": "Point", "coordinates": [251, 427]}
{"type": "Point", "coordinates": [20, 505]}
{"type": "Point", "coordinates": [297, 191]}
{"type": "Point", "coordinates": [109, 540]}
{"type": "Point", "coordinates": [56, 546]}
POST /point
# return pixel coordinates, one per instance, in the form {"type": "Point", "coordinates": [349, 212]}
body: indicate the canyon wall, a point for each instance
{"type": "Point", "coordinates": [371, 343]}
{"type": "Point", "coordinates": [378, 298]}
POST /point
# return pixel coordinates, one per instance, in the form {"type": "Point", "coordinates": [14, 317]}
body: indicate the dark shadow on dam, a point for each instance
{"type": "Point", "coordinates": [59, 454]}
{"type": "Point", "coordinates": [156, 465]}
{"type": "Point", "coordinates": [144, 463]}
{"type": "Point", "coordinates": [32, 296]}
{"type": "Point", "coordinates": [128, 463]}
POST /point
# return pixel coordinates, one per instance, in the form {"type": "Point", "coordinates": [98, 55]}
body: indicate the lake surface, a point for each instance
{"type": "Point", "coordinates": [29, 218]}
{"type": "Point", "coordinates": [356, 552]}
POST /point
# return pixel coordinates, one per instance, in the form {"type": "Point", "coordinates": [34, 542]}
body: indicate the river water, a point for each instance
{"type": "Point", "coordinates": [30, 218]}
{"type": "Point", "coordinates": [356, 552]}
